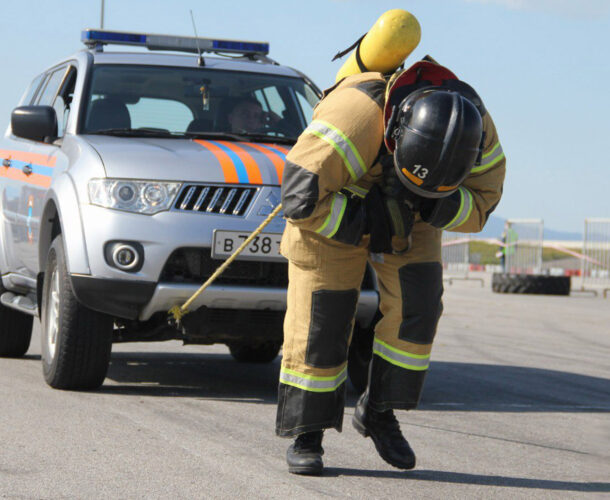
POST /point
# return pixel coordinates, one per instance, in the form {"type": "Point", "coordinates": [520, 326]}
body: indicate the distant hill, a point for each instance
{"type": "Point", "coordinates": [495, 226]}
{"type": "Point", "coordinates": [551, 234]}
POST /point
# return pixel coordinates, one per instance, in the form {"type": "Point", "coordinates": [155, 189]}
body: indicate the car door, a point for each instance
{"type": "Point", "coordinates": [11, 156]}
{"type": "Point", "coordinates": [33, 166]}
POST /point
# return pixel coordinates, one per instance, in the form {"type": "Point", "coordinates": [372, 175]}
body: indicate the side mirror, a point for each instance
{"type": "Point", "coordinates": [36, 123]}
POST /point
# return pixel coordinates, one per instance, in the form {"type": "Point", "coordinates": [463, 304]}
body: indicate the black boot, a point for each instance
{"type": "Point", "coordinates": [304, 456]}
{"type": "Point", "coordinates": [384, 430]}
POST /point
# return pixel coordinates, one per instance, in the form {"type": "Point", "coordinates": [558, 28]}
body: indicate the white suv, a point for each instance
{"type": "Point", "coordinates": [126, 179]}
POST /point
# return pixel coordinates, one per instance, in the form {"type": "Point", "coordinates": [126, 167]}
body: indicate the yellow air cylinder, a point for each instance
{"type": "Point", "coordinates": [387, 44]}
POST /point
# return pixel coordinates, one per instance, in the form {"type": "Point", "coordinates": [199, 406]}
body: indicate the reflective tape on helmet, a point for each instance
{"type": "Point", "coordinates": [489, 159]}
{"type": "Point", "coordinates": [343, 146]}
{"type": "Point", "coordinates": [466, 205]}
{"type": "Point", "coordinates": [404, 359]}
{"type": "Point", "coordinates": [332, 222]}
{"type": "Point", "coordinates": [312, 383]}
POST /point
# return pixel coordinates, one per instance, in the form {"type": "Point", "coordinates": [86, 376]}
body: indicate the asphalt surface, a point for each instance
{"type": "Point", "coordinates": [516, 405]}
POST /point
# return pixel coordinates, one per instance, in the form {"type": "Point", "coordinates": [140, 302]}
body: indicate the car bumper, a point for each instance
{"type": "Point", "coordinates": [139, 295]}
{"type": "Point", "coordinates": [118, 298]}
{"type": "Point", "coordinates": [159, 236]}
{"type": "Point", "coordinates": [140, 300]}
{"type": "Point", "coordinates": [167, 295]}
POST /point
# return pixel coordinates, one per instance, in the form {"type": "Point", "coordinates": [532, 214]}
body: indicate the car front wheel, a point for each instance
{"type": "Point", "coordinates": [76, 341]}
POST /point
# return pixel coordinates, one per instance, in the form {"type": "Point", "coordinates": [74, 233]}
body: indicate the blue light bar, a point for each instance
{"type": "Point", "coordinates": [225, 45]}
{"type": "Point", "coordinates": [97, 38]}
{"type": "Point", "coordinates": [91, 36]}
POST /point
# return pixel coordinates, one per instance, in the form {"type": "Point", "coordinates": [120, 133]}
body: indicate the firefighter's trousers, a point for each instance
{"type": "Point", "coordinates": [324, 284]}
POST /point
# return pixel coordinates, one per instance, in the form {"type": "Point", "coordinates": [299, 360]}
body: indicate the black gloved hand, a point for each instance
{"type": "Point", "coordinates": [395, 199]}
{"type": "Point", "coordinates": [377, 223]}
{"type": "Point", "coordinates": [390, 218]}
{"type": "Point", "coordinates": [440, 212]}
{"type": "Point", "coordinates": [393, 188]}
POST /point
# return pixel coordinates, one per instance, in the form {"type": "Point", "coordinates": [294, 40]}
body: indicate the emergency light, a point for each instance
{"type": "Point", "coordinates": [96, 38]}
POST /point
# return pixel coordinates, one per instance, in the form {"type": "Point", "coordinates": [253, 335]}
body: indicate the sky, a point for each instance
{"type": "Point", "coordinates": [542, 68]}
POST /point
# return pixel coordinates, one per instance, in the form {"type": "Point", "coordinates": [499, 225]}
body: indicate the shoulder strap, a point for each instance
{"type": "Point", "coordinates": [356, 45]}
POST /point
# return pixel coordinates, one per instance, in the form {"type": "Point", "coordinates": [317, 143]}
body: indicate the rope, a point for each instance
{"type": "Point", "coordinates": [178, 312]}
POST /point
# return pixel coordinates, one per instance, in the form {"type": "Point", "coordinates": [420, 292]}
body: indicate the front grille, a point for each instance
{"type": "Point", "coordinates": [195, 265]}
{"type": "Point", "coordinates": [212, 199]}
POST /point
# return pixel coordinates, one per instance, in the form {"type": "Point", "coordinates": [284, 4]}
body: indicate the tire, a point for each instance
{"type": "Point", "coordinates": [259, 353]}
{"type": "Point", "coordinates": [76, 341]}
{"type": "Point", "coordinates": [15, 331]}
{"type": "Point", "coordinates": [359, 356]}
{"type": "Point", "coordinates": [530, 284]}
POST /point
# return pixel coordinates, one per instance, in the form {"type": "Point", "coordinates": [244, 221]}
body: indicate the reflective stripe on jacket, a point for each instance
{"type": "Point", "coordinates": [327, 172]}
{"type": "Point", "coordinates": [333, 164]}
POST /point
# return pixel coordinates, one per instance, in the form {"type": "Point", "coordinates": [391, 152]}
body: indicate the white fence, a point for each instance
{"type": "Point", "coordinates": [522, 242]}
{"type": "Point", "coordinates": [523, 239]}
{"type": "Point", "coordinates": [456, 257]}
{"type": "Point", "coordinates": [595, 267]}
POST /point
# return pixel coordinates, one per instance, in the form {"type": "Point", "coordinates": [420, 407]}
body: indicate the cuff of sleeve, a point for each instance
{"type": "Point", "coordinates": [440, 213]}
{"type": "Point", "coordinates": [353, 223]}
{"type": "Point", "coordinates": [345, 221]}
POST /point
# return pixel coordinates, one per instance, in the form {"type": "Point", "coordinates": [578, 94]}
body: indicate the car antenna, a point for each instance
{"type": "Point", "coordinates": [200, 60]}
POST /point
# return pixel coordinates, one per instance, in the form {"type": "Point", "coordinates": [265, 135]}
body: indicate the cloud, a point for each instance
{"type": "Point", "coordinates": [571, 8]}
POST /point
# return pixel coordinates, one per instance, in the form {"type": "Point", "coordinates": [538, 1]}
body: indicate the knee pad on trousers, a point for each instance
{"type": "Point", "coordinates": [332, 312]}
{"type": "Point", "coordinates": [421, 286]}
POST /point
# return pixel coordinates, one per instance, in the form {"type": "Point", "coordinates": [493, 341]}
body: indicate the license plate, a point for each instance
{"type": "Point", "coordinates": [266, 246]}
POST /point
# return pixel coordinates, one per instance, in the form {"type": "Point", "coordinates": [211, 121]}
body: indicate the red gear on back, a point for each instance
{"type": "Point", "coordinates": [422, 73]}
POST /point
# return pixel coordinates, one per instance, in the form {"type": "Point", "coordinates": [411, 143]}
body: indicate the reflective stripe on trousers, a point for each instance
{"type": "Point", "coordinates": [400, 358]}
{"type": "Point", "coordinates": [311, 383]}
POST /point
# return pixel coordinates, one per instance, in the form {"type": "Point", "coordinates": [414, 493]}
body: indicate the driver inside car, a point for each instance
{"type": "Point", "coordinates": [247, 116]}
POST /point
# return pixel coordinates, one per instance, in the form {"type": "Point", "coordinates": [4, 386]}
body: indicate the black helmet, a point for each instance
{"type": "Point", "coordinates": [438, 134]}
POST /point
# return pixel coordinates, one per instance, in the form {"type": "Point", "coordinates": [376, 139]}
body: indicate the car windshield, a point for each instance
{"type": "Point", "coordinates": [196, 102]}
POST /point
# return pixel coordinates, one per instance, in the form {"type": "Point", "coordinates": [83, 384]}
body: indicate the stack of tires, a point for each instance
{"type": "Point", "coordinates": [531, 284]}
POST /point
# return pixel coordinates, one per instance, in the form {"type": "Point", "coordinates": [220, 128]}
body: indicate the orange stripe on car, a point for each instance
{"type": "Point", "coordinates": [35, 158]}
{"type": "Point", "coordinates": [277, 160]}
{"type": "Point", "coordinates": [281, 148]}
{"type": "Point", "coordinates": [228, 167]}
{"type": "Point", "coordinates": [254, 172]}
{"type": "Point", "coordinates": [17, 175]}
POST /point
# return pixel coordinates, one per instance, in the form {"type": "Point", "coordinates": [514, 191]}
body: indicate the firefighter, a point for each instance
{"type": "Point", "coordinates": [377, 175]}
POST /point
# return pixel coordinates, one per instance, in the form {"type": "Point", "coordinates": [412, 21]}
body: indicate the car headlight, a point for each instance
{"type": "Point", "coordinates": [143, 197]}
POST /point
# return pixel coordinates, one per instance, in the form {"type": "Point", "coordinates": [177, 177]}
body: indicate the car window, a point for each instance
{"type": "Point", "coordinates": [196, 100]}
{"type": "Point", "coordinates": [51, 86]}
{"type": "Point", "coordinates": [64, 100]}
{"type": "Point", "coordinates": [31, 91]}
{"type": "Point", "coordinates": [271, 100]}
{"type": "Point", "coordinates": [306, 106]}
{"type": "Point", "coordinates": [163, 114]}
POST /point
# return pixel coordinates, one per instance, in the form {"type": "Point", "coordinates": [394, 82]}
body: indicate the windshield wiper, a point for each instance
{"type": "Point", "coordinates": [134, 132]}
{"type": "Point", "coordinates": [270, 138]}
{"type": "Point", "coordinates": [214, 135]}
{"type": "Point", "coordinates": [241, 137]}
